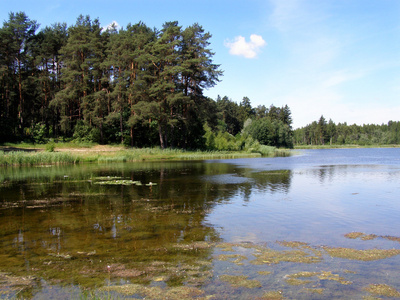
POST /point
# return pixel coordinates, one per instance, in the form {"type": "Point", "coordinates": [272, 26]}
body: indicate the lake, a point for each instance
{"type": "Point", "coordinates": [321, 224]}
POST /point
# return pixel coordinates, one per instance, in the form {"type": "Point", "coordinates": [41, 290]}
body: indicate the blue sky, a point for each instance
{"type": "Point", "coordinates": [337, 58]}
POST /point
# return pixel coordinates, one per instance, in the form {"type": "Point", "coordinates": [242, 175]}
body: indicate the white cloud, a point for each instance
{"type": "Point", "coordinates": [113, 24]}
{"type": "Point", "coordinates": [240, 47]}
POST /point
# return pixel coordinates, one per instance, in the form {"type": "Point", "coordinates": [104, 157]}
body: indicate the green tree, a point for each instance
{"type": "Point", "coordinates": [246, 111]}
{"type": "Point", "coordinates": [81, 60]}
{"type": "Point", "coordinates": [16, 60]}
{"type": "Point", "coordinates": [321, 134]}
{"type": "Point", "coordinates": [230, 119]}
{"type": "Point", "coordinates": [48, 44]}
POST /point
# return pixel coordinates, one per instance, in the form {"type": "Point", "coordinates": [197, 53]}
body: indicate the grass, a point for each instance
{"type": "Point", "coordinates": [71, 153]}
{"type": "Point", "coordinates": [20, 158]}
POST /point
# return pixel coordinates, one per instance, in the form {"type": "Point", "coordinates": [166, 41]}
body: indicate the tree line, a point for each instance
{"type": "Point", "coordinates": [139, 86]}
{"type": "Point", "coordinates": [324, 132]}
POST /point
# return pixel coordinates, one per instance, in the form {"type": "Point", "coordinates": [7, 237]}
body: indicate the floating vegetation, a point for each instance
{"type": "Point", "coordinates": [234, 258]}
{"type": "Point", "coordinates": [364, 255]}
{"type": "Point", "coordinates": [185, 270]}
{"type": "Point", "coordinates": [367, 237]}
{"type": "Point", "coordinates": [269, 256]}
{"type": "Point", "coordinates": [107, 178]}
{"type": "Point", "coordinates": [333, 277]}
{"type": "Point", "coordinates": [314, 290]}
{"type": "Point", "coordinates": [383, 290]}
{"type": "Point", "coordinates": [7, 280]}
{"type": "Point", "coordinates": [273, 295]}
{"type": "Point", "coordinates": [119, 182]}
{"type": "Point", "coordinates": [294, 279]}
{"type": "Point", "coordinates": [264, 272]}
{"type": "Point", "coordinates": [364, 237]}
{"type": "Point", "coordinates": [194, 246]}
{"type": "Point", "coordinates": [61, 255]}
{"type": "Point", "coordinates": [240, 281]}
{"type": "Point", "coordinates": [155, 292]}
{"type": "Point", "coordinates": [226, 247]}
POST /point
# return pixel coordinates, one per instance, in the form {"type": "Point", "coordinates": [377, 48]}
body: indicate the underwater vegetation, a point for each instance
{"type": "Point", "coordinates": [190, 271]}
{"type": "Point", "coordinates": [240, 281]}
{"type": "Point", "coordinates": [383, 290]}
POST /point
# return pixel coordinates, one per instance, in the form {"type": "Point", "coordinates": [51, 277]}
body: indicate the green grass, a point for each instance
{"type": "Point", "coordinates": [48, 154]}
{"type": "Point", "coordinates": [20, 158]}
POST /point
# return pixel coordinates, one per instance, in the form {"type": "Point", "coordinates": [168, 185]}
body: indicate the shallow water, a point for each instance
{"type": "Point", "coordinates": [180, 229]}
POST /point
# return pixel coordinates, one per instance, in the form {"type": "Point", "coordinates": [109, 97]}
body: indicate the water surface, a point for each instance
{"type": "Point", "coordinates": [242, 228]}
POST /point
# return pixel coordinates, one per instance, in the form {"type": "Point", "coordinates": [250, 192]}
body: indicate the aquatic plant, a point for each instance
{"type": "Point", "coordinates": [264, 272]}
{"type": "Point", "coordinates": [119, 182]}
{"type": "Point", "coordinates": [364, 255]}
{"type": "Point", "coordinates": [295, 279]}
{"type": "Point", "coordinates": [156, 292]}
{"type": "Point", "coordinates": [240, 281]}
{"type": "Point", "coordinates": [270, 256]}
{"type": "Point", "coordinates": [367, 237]}
{"type": "Point", "coordinates": [234, 258]}
{"type": "Point", "coordinates": [383, 290]}
{"type": "Point", "coordinates": [273, 295]}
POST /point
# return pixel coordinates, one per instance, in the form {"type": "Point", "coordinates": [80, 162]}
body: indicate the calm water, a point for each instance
{"type": "Point", "coordinates": [243, 228]}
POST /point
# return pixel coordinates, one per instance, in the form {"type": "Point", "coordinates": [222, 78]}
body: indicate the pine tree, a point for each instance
{"type": "Point", "coordinates": [16, 61]}
{"type": "Point", "coordinates": [80, 58]}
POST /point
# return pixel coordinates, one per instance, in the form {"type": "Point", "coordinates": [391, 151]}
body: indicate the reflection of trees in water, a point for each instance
{"type": "Point", "coordinates": [69, 229]}
{"type": "Point", "coordinates": [327, 173]}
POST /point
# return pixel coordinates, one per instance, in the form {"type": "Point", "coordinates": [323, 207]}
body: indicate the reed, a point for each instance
{"type": "Point", "coordinates": [20, 158]}
{"type": "Point", "coordinates": [113, 155]}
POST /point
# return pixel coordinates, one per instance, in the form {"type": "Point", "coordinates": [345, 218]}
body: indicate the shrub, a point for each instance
{"type": "Point", "coordinates": [50, 147]}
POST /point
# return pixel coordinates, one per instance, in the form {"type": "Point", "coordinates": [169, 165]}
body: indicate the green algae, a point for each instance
{"type": "Point", "coordinates": [328, 275]}
{"type": "Point", "coordinates": [294, 279]}
{"type": "Point", "coordinates": [383, 290]}
{"type": "Point", "coordinates": [362, 236]}
{"type": "Point", "coordinates": [273, 295]}
{"type": "Point", "coordinates": [367, 237]}
{"type": "Point", "coordinates": [319, 291]}
{"type": "Point", "coordinates": [363, 255]}
{"type": "Point", "coordinates": [269, 256]}
{"type": "Point", "coordinates": [228, 247]}
{"type": "Point", "coordinates": [155, 292]}
{"type": "Point", "coordinates": [118, 182]}
{"type": "Point", "coordinates": [264, 272]}
{"type": "Point", "coordinates": [7, 280]}
{"type": "Point", "coordinates": [234, 258]}
{"type": "Point", "coordinates": [240, 281]}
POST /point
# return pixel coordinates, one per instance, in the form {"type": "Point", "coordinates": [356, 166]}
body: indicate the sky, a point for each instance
{"type": "Point", "coordinates": [336, 58]}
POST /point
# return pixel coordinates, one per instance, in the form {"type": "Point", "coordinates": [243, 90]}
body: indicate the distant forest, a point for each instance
{"type": "Point", "coordinates": [322, 132]}
{"type": "Point", "coordinates": [141, 87]}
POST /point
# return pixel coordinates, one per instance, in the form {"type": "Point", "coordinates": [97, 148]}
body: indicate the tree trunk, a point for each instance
{"type": "Point", "coordinates": [161, 136]}
{"type": "Point", "coordinates": [132, 136]}
{"type": "Point", "coordinates": [121, 124]}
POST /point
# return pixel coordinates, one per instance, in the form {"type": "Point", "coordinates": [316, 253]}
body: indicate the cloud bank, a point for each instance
{"type": "Point", "coordinates": [250, 49]}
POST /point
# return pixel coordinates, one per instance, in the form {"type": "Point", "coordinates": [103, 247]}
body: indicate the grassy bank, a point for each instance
{"type": "Point", "coordinates": [17, 155]}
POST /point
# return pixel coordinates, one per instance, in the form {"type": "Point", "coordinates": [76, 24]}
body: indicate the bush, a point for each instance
{"type": "Point", "coordinates": [50, 147]}
{"type": "Point", "coordinates": [39, 133]}
{"type": "Point", "coordinates": [85, 133]}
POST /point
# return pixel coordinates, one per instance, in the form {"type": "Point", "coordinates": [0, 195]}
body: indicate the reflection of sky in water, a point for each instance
{"type": "Point", "coordinates": [328, 196]}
